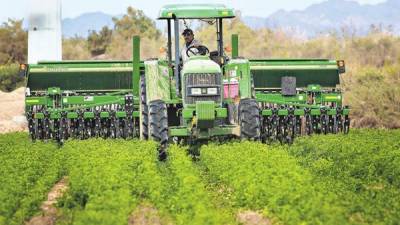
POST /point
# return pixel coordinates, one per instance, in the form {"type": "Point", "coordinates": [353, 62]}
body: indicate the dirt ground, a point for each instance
{"type": "Point", "coordinates": [49, 210]}
{"type": "Point", "coordinates": [12, 111]}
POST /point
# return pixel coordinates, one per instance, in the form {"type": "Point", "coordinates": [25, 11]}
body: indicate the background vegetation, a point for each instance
{"type": "Point", "coordinates": [371, 84]}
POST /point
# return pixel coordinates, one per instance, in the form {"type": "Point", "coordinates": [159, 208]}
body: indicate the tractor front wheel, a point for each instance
{"type": "Point", "coordinates": [158, 125]}
{"type": "Point", "coordinates": [249, 119]}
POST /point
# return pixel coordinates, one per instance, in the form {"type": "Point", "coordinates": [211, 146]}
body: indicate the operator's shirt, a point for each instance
{"type": "Point", "coordinates": [184, 57]}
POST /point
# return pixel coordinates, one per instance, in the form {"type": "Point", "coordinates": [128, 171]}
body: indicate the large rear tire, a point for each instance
{"type": "Point", "coordinates": [158, 125]}
{"type": "Point", "coordinates": [144, 110]}
{"type": "Point", "coordinates": [249, 119]}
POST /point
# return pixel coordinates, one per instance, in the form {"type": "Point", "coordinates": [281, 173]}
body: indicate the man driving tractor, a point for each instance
{"type": "Point", "coordinates": [190, 42]}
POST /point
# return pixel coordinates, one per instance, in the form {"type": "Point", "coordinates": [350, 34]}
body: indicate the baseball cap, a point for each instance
{"type": "Point", "coordinates": [187, 31]}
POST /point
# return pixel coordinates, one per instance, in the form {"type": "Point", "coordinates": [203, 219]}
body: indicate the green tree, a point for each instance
{"type": "Point", "coordinates": [13, 42]}
{"type": "Point", "coordinates": [135, 22]}
{"type": "Point", "coordinates": [99, 41]}
{"type": "Point", "coordinates": [75, 48]}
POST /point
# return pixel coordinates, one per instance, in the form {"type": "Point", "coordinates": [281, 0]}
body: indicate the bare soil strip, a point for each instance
{"type": "Point", "coordinates": [49, 211]}
{"type": "Point", "coordinates": [252, 218]}
{"type": "Point", "coordinates": [145, 214]}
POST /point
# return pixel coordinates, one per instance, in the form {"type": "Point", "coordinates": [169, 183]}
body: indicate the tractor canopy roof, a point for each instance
{"type": "Point", "coordinates": [195, 11]}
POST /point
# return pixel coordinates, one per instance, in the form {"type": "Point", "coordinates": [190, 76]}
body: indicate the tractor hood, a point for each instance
{"type": "Point", "coordinates": [200, 64]}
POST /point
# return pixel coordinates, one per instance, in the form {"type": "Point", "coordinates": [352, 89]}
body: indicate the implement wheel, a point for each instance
{"type": "Point", "coordinates": [249, 119]}
{"type": "Point", "coordinates": [158, 125]}
{"type": "Point", "coordinates": [144, 110]}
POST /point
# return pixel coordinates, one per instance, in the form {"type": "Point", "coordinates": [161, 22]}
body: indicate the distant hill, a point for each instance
{"type": "Point", "coordinates": [332, 15]}
{"type": "Point", "coordinates": [318, 18]}
{"type": "Point", "coordinates": [81, 25]}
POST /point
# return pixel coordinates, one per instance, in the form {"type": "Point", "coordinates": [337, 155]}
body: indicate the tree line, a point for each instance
{"type": "Point", "coordinates": [371, 84]}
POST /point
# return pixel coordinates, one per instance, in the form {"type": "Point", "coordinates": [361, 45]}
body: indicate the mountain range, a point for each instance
{"type": "Point", "coordinates": [327, 16]}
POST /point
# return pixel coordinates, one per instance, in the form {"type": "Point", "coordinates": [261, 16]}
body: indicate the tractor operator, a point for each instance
{"type": "Point", "coordinates": [189, 42]}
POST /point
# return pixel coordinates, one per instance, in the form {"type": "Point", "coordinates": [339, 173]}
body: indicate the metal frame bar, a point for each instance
{"type": "Point", "coordinates": [177, 60]}
{"type": "Point", "coordinates": [169, 44]}
{"type": "Point", "coordinates": [220, 39]}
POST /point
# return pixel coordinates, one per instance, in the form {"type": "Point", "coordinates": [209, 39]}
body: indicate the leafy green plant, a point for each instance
{"type": "Point", "coordinates": [107, 179]}
{"type": "Point", "coordinates": [184, 194]}
{"type": "Point", "coordinates": [330, 179]}
{"type": "Point", "coordinates": [27, 172]}
{"type": "Point", "coordinates": [363, 168]}
{"type": "Point", "coordinates": [271, 180]}
{"type": "Point", "coordinates": [9, 77]}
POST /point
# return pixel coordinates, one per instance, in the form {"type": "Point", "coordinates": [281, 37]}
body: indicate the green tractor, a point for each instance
{"type": "Point", "coordinates": [208, 96]}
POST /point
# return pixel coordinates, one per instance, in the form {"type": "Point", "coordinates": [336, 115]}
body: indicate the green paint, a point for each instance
{"type": "Point", "coordinates": [29, 101]}
{"type": "Point", "coordinates": [283, 112]}
{"type": "Point", "coordinates": [136, 114]}
{"type": "Point", "coordinates": [121, 114]}
{"type": "Point", "coordinates": [235, 45]}
{"type": "Point", "coordinates": [315, 112]}
{"type": "Point", "coordinates": [239, 69]}
{"type": "Point", "coordinates": [90, 100]}
{"type": "Point", "coordinates": [192, 11]}
{"type": "Point", "coordinates": [88, 115]}
{"type": "Point", "coordinates": [332, 112]}
{"type": "Point", "coordinates": [72, 115]}
{"type": "Point", "coordinates": [157, 81]}
{"type": "Point", "coordinates": [314, 88]}
{"type": "Point", "coordinates": [268, 73]}
{"type": "Point", "coordinates": [179, 132]}
{"type": "Point", "coordinates": [135, 64]}
{"type": "Point", "coordinates": [187, 113]}
{"type": "Point", "coordinates": [266, 112]}
{"type": "Point", "coordinates": [104, 114]}
{"type": "Point", "coordinates": [39, 116]}
{"type": "Point", "coordinates": [200, 64]}
{"type": "Point", "coordinates": [55, 116]}
{"type": "Point", "coordinates": [54, 91]}
{"type": "Point", "coordinates": [205, 114]}
{"type": "Point", "coordinates": [273, 97]}
{"type": "Point", "coordinates": [221, 112]}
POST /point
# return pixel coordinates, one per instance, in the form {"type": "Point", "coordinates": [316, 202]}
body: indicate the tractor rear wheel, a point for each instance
{"type": "Point", "coordinates": [158, 125]}
{"type": "Point", "coordinates": [144, 111]}
{"type": "Point", "coordinates": [249, 119]}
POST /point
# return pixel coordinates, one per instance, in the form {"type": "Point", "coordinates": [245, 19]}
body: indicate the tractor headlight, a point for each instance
{"type": "Point", "coordinates": [195, 91]}
{"type": "Point", "coordinates": [212, 91]}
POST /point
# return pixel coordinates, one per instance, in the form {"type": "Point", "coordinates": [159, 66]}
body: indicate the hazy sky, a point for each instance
{"type": "Point", "coordinates": [72, 8]}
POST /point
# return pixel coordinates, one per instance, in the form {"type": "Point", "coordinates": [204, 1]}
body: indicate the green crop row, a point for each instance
{"type": "Point", "coordinates": [363, 168]}
{"type": "Point", "coordinates": [268, 179]}
{"type": "Point", "coordinates": [27, 172]}
{"type": "Point", "coordinates": [107, 180]}
{"type": "Point", "coordinates": [185, 196]}
{"type": "Point", "coordinates": [332, 179]}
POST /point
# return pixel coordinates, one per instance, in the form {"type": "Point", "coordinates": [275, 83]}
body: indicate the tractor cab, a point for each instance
{"type": "Point", "coordinates": [201, 59]}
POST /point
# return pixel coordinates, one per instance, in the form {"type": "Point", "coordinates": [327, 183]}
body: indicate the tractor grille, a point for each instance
{"type": "Point", "coordinates": [203, 80]}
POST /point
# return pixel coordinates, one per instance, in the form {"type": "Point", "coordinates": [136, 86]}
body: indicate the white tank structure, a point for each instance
{"type": "Point", "coordinates": [44, 37]}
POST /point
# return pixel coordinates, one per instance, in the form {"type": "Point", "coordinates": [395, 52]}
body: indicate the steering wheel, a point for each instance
{"type": "Point", "coordinates": [201, 50]}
